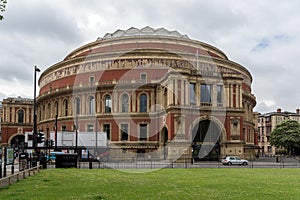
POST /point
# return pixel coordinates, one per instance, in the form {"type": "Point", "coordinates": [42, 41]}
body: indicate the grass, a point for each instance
{"type": "Point", "coordinates": [230, 183]}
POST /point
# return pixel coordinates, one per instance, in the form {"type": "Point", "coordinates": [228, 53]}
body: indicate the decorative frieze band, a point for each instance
{"type": "Point", "coordinates": [90, 66]}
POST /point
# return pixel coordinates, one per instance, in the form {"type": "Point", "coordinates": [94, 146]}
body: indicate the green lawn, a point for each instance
{"type": "Point", "coordinates": [229, 183]}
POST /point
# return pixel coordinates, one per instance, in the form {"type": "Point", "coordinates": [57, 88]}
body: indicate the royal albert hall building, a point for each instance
{"type": "Point", "coordinates": [154, 93]}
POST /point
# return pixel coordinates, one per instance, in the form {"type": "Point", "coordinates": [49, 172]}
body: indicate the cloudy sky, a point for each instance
{"type": "Point", "coordinates": [263, 36]}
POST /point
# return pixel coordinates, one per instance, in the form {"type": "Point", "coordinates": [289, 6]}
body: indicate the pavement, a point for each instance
{"type": "Point", "coordinates": [261, 163]}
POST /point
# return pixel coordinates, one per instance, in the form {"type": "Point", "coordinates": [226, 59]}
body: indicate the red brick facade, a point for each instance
{"type": "Point", "coordinates": [17, 118]}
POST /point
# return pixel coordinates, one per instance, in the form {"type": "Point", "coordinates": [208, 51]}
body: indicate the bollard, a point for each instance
{"type": "Point", "coordinates": [44, 162]}
{"type": "Point", "coordinates": [90, 165]}
{"type": "Point", "coordinates": [33, 162]}
{"type": "Point", "coordinates": [0, 169]}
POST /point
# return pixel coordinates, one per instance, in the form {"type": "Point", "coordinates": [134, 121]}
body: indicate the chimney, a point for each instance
{"type": "Point", "coordinates": [279, 110]}
{"type": "Point", "coordinates": [298, 111]}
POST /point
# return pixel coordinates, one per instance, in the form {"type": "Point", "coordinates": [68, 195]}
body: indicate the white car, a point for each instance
{"type": "Point", "coordinates": [234, 160]}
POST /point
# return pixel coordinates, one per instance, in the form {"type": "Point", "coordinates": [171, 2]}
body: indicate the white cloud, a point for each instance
{"type": "Point", "coordinates": [262, 36]}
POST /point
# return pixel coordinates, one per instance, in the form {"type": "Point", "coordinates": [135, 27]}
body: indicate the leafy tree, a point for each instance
{"type": "Point", "coordinates": [2, 7]}
{"type": "Point", "coordinates": [286, 135]}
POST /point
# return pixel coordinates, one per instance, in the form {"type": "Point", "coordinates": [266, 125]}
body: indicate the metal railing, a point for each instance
{"type": "Point", "coordinates": [12, 178]}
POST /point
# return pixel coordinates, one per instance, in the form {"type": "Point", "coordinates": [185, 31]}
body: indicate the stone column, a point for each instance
{"type": "Point", "coordinates": [152, 101]}
{"type": "Point", "coordinates": [159, 97]}
{"type": "Point", "coordinates": [214, 95]}
{"type": "Point", "coordinates": [241, 96]}
{"type": "Point", "coordinates": [170, 92]}
{"type": "Point", "coordinates": [84, 104]}
{"type": "Point", "coordinates": [198, 93]}
{"type": "Point", "coordinates": [133, 104]}
{"type": "Point", "coordinates": [230, 95]}
{"type": "Point", "coordinates": [227, 93]}
{"type": "Point", "coordinates": [115, 101]}
{"type": "Point", "coordinates": [175, 91]}
{"type": "Point", "coordinates": [60, 106]}
{"type": "Point", "coordinates": [98, 102]}
{"type": "Point", "coordinates": [27, 115]}
{"type": "Point", "coordinates": [13, 118]}
{"type": "Point", "coordinates": [187, 92]}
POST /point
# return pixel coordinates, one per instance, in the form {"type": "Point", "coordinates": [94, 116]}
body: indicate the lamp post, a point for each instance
{"type": "Point", "coordinates": [76, 136]}
{"type": "Point", "coordinates": [34, 111]}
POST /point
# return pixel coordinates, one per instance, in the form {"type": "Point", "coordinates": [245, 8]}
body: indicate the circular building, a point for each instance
{"type": "Point", "coordinates": [148, 93]}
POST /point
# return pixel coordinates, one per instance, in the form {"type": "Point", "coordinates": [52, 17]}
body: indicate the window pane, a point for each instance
{"type": "Point", "coordinates": [20, 116]}
{"type": "Point", "coordinates": [107, 104]}
{"type": "Point", "coordinates": [143, 78]}
{"type": "Point", "coordinates": [92, 80]}
{"type": "Point", "coordinates": [192, 93]}
{"type": "Point", "coordinates": [125, 103]}
{"type": "Point", "coordinates": [143, 132]}
{"type": "Point", "coordinates": [77, 104]}
{"type": "Point", "coordinates": [49, 111]}
{"type": "Point", "coordinates": [143, 103]}
{"type": "Point", "coordinates": [106, 128]}
{"type": "Point", "coordinates": [124, 131]}
{"type": "Point", "coordinates": [205, 93]}
{"type": "Point", "coordinates": [219, 93]}
{"type": "Point", "coordinates": [92, 105]}
{"type": "Point", "coordinates": [66, 107]}
{"type": "Point", "coordinates": [56, 108]}
{"type": "Point", "coordinates": [90, 128]}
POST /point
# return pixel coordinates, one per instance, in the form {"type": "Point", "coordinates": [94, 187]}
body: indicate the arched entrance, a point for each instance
{"type": "Point", "coordinates": [18, 142]}
{"type": "Point", "coordinates": [206, 140]}
{"type": "Point", "coordinates": [164, 136]}
{"type": "Point", "coordinates": [164, 141]}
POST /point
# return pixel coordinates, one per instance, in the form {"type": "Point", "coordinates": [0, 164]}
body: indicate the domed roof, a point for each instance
{"type": "Point", "coordinates": [145, 38]}
{"type": "Point", "coordinates": [144, 31]}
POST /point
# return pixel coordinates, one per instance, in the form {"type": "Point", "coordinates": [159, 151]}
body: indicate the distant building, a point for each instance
{"type": "Point", "coordinates": [0, 123]}
{"type": "Point", "coordinates": [267, 122]}
{"type": "Point", "coordinates": [152, 91]}
{"type": "Point", "coordinates": [17, 118]}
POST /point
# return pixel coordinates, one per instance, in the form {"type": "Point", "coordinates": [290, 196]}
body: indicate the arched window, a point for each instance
{"type": "Point", "coordinates": [40, 115]}
{"type": "Point", "coordinates": [125, 103]}
{"type": "Point", "coordinates": [65, 106]}
{"type": "Point", "coordinates": [21, 116]}
{"type": "Point", "coordinates": [91, 105]}
{"type": "Point", "coordinates": [77, 106]}
{"type": "Point", "coordinates": [49, 111]}
{"type": "Point", "coordinates": [143, 103]}
{"type": "Point", "coordinates": [107, 104]}
{"type": "Point", "coordinates": [44, 112]}
{"type": "Point", "coordinates": [56, 108]}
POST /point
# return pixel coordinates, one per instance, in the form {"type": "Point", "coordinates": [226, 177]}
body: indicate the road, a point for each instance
{"type": "Point", "coordinates": [264, 163]}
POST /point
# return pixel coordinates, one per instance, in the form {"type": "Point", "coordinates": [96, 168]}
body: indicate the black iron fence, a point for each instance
{"type": "Point", "coordinates": [270, 162]}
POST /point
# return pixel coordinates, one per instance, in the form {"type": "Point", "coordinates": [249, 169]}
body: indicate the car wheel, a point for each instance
{"type": "Point", "coordinates": [229, 163]}
{"type": "Point", "coordinates": [244, 163]}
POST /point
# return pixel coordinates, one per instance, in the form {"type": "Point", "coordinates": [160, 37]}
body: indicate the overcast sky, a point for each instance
{"type": "Point", "coordinates": [263, 36]}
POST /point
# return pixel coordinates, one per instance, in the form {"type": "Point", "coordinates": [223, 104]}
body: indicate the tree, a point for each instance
{"type": "Point", "coordinates": [2, 7]}
{"type": "Point", "coordinates": [286, 135]}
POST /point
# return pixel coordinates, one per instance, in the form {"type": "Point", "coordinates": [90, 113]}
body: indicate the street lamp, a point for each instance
{"type": "Point", "coordinates": [34, 111]}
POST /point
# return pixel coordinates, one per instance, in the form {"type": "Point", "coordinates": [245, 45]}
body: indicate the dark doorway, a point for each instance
{"type": "Point", "coordinates": [164, 141]}
{"type": "Point", "coordinates": [164, 136]}
{"type": "Point", "coordinates": [205, 140]}
{"type": "Point", "coordinates": [18, 143]}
